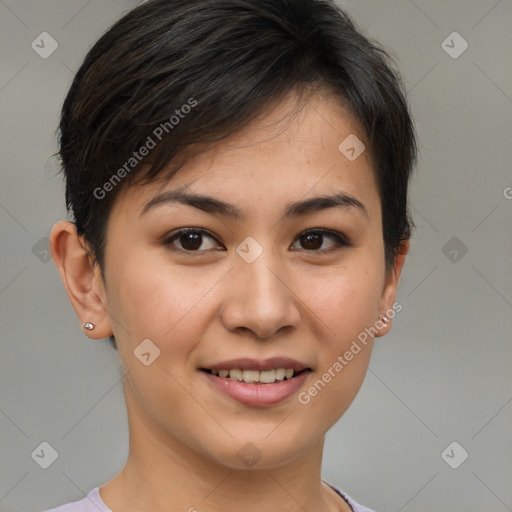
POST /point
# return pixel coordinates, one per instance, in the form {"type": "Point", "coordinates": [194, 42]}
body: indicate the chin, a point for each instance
{"type": "Point", "coordinates": [259, 453]}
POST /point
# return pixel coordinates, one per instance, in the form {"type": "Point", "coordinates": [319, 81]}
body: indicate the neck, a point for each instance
{"type": "Point", "coordinates": [162, 473]}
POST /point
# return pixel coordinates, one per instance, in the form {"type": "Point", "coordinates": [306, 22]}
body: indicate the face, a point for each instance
{"type": "Point", "coordinates": [269, 283]}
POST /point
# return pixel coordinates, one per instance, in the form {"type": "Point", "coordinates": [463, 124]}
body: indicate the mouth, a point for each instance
{"type": "Point", "coordinates": [255, 383]}
{"type": "Point", "coordinates": [249, 376]}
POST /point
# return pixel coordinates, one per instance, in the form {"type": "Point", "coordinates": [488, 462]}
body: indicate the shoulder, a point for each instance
{"type": "Point", "coordinates": [90, 503]}
{"type": "Point", "coordinates": [356, 507]}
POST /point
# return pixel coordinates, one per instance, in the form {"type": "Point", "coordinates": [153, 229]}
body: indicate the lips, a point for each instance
{"type": "Point", "coordinates": [245, 363]}
{"type": "Point", "coordinates": [257, 382]}
{"type": "Point", "coordinates": [263, 393]}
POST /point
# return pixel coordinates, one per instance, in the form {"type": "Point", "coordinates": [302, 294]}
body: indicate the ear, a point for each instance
{"type": "Point", "coordinates": [82, 279]}
{"type": "Point", "coordinates": [389, 290]}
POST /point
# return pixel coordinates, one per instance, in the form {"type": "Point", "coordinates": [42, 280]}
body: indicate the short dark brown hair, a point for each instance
{"type": "Point", "coordinates": [196, 71]}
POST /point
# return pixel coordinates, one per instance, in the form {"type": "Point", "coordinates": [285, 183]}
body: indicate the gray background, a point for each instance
{"type": "Point", "coordinates": [443, 374]}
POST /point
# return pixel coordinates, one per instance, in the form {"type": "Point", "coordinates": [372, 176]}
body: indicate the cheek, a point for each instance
{"type": "Point", "coordinates": [344, 305]}
{"type": "Point", "coordinates": [163, 302]}
{"type": "Point", "coordinates": [346, 301]}
{"type": "Point", "coordinates": [342, 310]}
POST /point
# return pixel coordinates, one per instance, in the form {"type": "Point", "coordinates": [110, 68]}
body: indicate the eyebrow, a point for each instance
{"type": "Point", "coordinates": [211, 205]}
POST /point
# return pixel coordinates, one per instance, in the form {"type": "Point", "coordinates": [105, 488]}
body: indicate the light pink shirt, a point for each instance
{"type": "Point", "coordinates": [93, 503]}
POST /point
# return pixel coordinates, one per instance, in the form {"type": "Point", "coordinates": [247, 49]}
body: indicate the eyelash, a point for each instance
{"type": "Point", "coordinates": [341, 240]}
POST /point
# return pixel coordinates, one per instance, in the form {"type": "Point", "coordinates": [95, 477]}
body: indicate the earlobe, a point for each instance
{"type": "Point", "coordinates": [81, 279]}
{"type": "Point", "coordinates": [389, 292]}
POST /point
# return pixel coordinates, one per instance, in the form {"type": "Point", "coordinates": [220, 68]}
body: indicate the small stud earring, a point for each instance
{"type": "Point", "coordinates": [385, 319]}
{"type": "Point", "coordinates": [89, 326]}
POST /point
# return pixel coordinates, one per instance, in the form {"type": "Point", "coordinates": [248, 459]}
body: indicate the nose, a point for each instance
{"type": "Point", "coordinates": [260, 298]}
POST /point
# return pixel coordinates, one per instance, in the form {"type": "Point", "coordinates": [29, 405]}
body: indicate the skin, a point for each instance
{"type": "Point", "coordinates": [293, 300]}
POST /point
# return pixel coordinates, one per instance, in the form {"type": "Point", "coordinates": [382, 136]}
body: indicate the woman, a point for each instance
{"type": "Point", "coordinates": [237, 171]}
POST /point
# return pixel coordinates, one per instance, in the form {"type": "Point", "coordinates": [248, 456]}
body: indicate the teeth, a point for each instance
{"type": "Point", "coordinates": [235, 374]}
{"type": "Point", "coordinates": [249, 376]}
{"type": "Point", "coordinates": [268, 376]}
{"type": "Point", "coordinates": [280, 373]}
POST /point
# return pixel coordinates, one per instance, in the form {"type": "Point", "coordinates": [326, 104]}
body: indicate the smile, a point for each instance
{"type": "Point", "coordinates": [255, 376]}
{"type": "Point", "coordinates": [256, 388]}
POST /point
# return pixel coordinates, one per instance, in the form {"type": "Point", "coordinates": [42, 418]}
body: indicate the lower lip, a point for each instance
{"type": "Point", "coordinates": [257, 394]}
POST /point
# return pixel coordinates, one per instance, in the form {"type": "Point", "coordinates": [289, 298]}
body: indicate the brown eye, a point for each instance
{"type": "Point", "coordinates": [191, 240]}
{"type": "Point", "coordinates": [313, 240]}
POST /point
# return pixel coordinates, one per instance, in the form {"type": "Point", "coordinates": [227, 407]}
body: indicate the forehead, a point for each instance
{"type": "Point", "coordinates": [285, 154]}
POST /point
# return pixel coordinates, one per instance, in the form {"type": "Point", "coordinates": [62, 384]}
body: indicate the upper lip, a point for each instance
{"type": "Point", "coordinates": [246, 363]}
